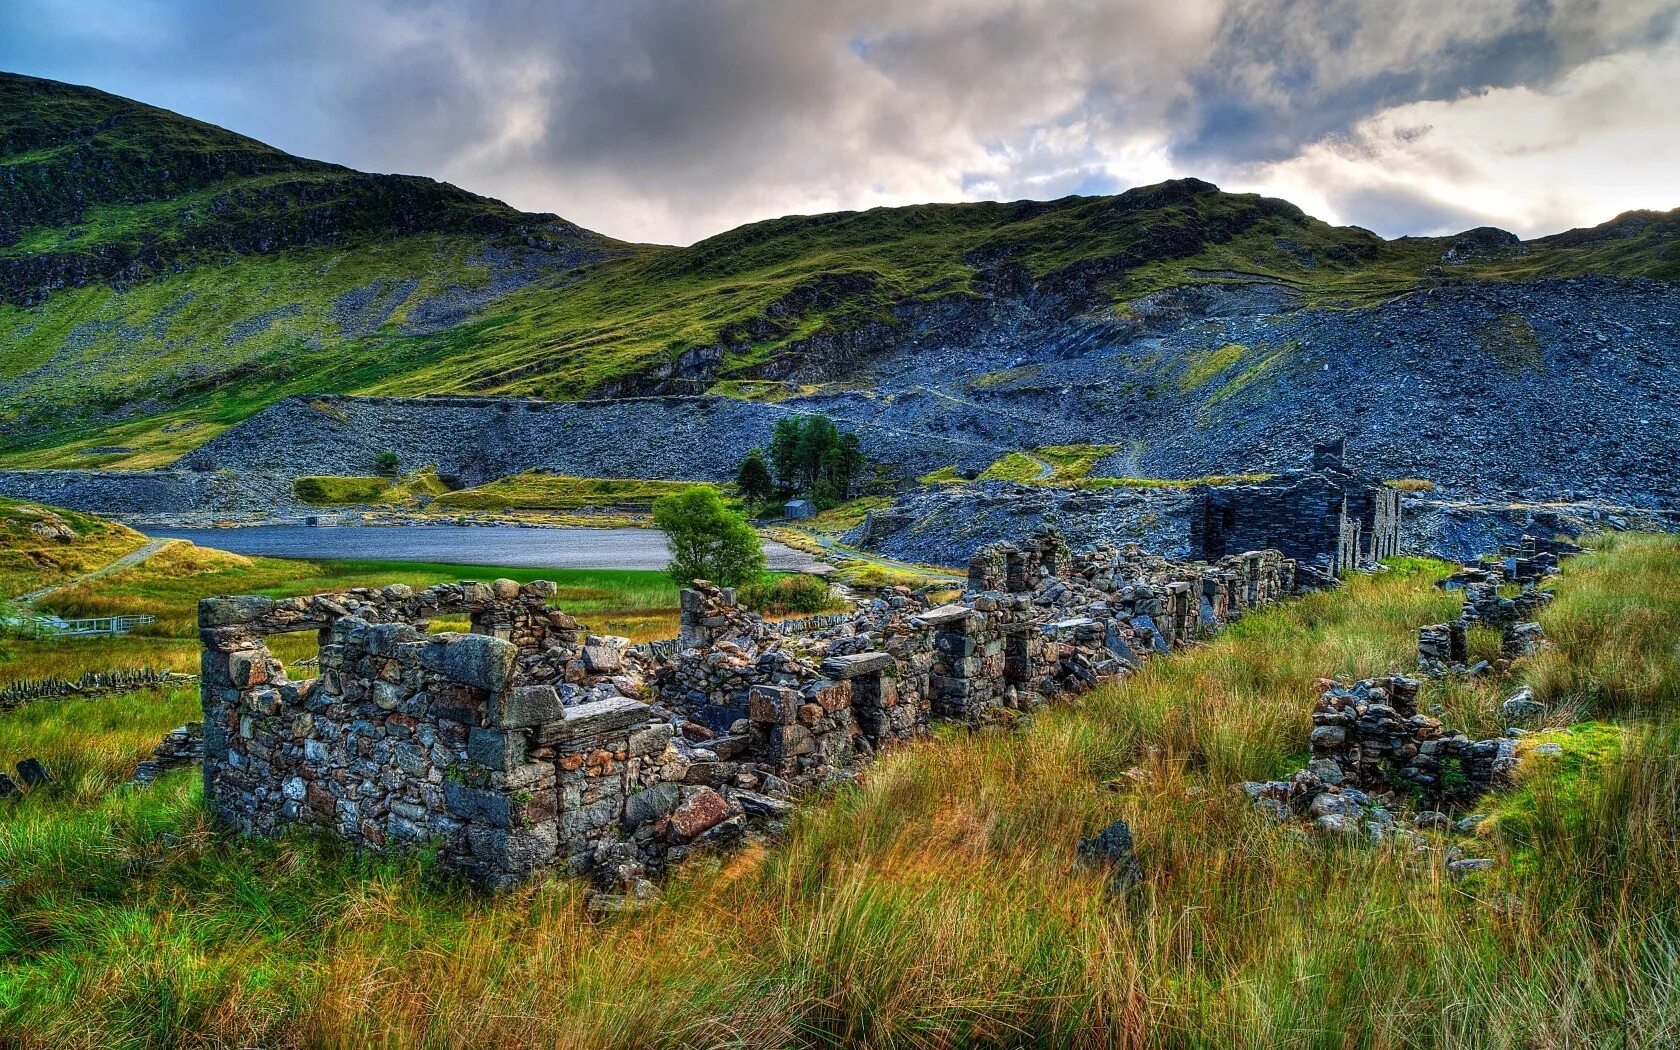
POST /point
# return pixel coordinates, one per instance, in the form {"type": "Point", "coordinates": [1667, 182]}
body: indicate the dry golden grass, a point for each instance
{"type": "Point", "coordinates": [938, 904]}
{"type": "Point", "coordinates": [29, 560]}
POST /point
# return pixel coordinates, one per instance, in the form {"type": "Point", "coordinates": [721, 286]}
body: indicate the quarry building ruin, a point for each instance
{"type": "Point", "coordinates": [1330, 516]}
{"type": "Point", "coordinates": [528, 743]}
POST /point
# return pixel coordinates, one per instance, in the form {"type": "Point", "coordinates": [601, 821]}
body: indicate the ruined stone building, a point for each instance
{"type": "Point", "coordinates": [1329, 517]}
{"type": "Point", "coordinates": [527, 743]}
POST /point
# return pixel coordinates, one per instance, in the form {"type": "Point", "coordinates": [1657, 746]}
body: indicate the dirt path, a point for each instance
{"type": "Point", "coordinates": [127, 561]}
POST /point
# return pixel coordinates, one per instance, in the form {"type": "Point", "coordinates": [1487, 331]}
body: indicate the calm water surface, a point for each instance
{"type": "Point", "coordinates": [463, 545]}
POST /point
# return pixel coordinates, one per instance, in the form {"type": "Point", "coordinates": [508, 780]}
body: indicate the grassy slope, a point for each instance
{"type": "Point", "coordinates": [207, 347]}
{"type": "Point", "coordinates": [536, 490]}
{"type": "Point", "coordinates": [29, 560]}
{"type": "Point", "coordinates": [937, 904]}
{"type": "Point", "coordinates": [231, 256]}
{"type": "Point", "coordinates": [337, 490]}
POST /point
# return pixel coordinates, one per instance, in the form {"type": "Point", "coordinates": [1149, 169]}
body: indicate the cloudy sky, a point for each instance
{"type": "Point", "coordinates": [669, 121]}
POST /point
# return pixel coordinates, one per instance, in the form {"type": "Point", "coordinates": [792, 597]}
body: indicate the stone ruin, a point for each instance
{"type": "Point", "coordinates": [1330, 518]}
{"type": "Point", "coordinates": [1369, 737]}
{"type": "Point", "coordinates": [1445, 647]}
{"type": "Point", "coordinates": [529, 744]}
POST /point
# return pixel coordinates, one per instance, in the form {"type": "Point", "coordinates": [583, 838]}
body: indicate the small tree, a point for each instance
{"type": "Point", "coordinates": [387, 462]}
{"type": "Point", "coordinates": [753, 478]}
{"type": "Point", "coordinates": [709, 540]}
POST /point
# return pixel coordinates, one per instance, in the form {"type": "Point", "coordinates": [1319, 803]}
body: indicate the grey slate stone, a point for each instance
{"type": "Point", "coordinates": [651, 804]}
{"type": "Point", "coordinates": [593, 719]}
{"type": "Point", "coordinates": [232, 610]}
{"type": "Point", "coordinates": [856, 664]}
{"type": "Point", "coordinates": [33, 773]}
{"type": "Point", "coordinates": [496, 748]}
{"type": "Point", "coordinates": [528, 705]}
{"type": "Point", "coordinates": [474, 660]}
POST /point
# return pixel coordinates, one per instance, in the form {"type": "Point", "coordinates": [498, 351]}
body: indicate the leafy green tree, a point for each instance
{"type": "Point", "coordinates": [784, 451]}
{"type": "Point", "coordinates": [709, 539]}
{"type": "Point", "coordinates": [387, 462]}
{"type": "Point", "coordinates": [819, 438]}
{"type": "Point", "coordinates": [752, 480]}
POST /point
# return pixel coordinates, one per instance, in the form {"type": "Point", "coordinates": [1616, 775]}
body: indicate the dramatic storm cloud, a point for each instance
{"type": "Point", "coordinates": [671, 121]}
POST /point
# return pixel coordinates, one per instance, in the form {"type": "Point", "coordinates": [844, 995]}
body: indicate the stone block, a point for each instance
{"type": "Point", "coordinates": [232, 610]}
{"type": "Point", "coordinates": [33, 773]}
{"type": "Point", "coordinates": [600, 718]}
{"type": "Point", "coordinates": [774, 704]}
{"type": "Point", "coordinates": [650, 805]}
{"type": "Point", "coordinates": [248, 667]}
{"type": "Point", "coordinates": [477, 805]}
{"type": "Point", "coordinates": [517, 850]}
{"type": "Point", "coordinates": [651, 741]}
{"type": "Point", "coordinates": [473, 660]}
{"type": "Point", "coordinates": [698, 814]}
{"type": "Point", "coordinates": [1522, 705]}
{"type": "Point", "coordinates": [844, 667]}
{"type": "Point", "coordinates": [948, 618]}
{"type": "Point", "coordinates": [527, 705]}
{"type": "Point", "coordinates": [830, 696]}
{"type": "Point", "coordinates": [384, 638]}
{"type": "Point", "coordinates": [496, 748]}
{"type": "Point", "coordinates": [788, 741]}
{"type": "Point", "coordinates": [602, 659]}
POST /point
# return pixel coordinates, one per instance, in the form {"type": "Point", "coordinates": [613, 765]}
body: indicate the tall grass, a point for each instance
{"type": "Point", "coordinates": [938, 902]}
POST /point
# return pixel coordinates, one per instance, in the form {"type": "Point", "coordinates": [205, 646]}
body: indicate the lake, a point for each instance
{"type": "Point", "coordinates": [507, 545]}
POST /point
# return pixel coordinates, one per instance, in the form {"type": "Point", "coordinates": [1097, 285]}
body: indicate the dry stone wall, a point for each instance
{"type": "Point", "coordinates": [529, 743]}
{"type": "Point", "coordinates": [1369, 740]}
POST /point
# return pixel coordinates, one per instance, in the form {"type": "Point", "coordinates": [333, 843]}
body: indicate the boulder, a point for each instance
{"type": "Point", "coordinates": [1521, 706]}
{"type": "Point", "coordinates": [33, 773]}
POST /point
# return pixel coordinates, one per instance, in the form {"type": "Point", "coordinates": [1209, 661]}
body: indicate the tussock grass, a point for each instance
{"type": "Point", "coordinates": [938, 903]}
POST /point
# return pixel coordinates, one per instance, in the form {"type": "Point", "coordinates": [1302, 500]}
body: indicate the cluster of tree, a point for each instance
{"type": "Point", "coordinates": [809, 456]}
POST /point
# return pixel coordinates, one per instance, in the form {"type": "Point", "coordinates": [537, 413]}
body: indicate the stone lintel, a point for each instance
{"type": "Point", "coordinates": [856, 664]}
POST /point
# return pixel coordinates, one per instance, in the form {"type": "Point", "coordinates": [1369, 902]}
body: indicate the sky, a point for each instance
{"type": "Point", "coordinates": [671, 121]}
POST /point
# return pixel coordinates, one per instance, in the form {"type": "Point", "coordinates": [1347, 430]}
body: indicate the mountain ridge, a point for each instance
{"type": "Point", "coordinates": [164, 312]}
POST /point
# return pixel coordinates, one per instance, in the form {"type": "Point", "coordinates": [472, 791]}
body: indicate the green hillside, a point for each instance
{"type": "Point", "coordinates": [161, 278]}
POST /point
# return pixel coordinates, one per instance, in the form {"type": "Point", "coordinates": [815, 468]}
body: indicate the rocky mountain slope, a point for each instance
{"type": "Point", "coordinates": [1195, 331]}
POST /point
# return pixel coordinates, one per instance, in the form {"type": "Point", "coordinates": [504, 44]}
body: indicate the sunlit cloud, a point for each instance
{"type": "Point", "coordinates": [670, 121]}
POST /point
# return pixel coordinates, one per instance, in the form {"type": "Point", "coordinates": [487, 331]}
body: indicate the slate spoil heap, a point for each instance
{"type": "Point", "coordinates": [529, 744]}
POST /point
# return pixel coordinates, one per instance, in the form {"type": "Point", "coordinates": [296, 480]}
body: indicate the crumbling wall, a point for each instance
{"type": "Point", "coordinates": [1369, 738]}
{"type": "Point", "coordinates": [503, 747]}
{"type": "Point", "coordinates": [528, 744]}
{"type": "Point", "coordinates": [1329, 516]}
{"type": "Point", "coordinates": [1444, 647]}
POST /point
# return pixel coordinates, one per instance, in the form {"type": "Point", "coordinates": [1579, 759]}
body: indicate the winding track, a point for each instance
{"type": "Point", "coordinates": [127, 561]}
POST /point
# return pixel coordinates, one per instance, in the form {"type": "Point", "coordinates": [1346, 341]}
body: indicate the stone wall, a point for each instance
{"type": "Point", "coordinates": [1369, 740]}
{"type": "Point", "coordinates": [1444, 647]}
{"type": "Point", "coordinates": [1330, 516]}
{"type": "Point", "coordinates": [529, 743]}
